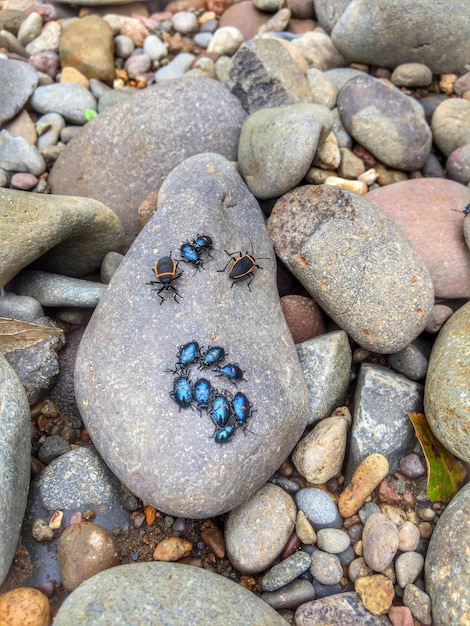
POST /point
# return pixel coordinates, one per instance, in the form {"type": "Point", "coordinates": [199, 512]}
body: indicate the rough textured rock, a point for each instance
{"type": "Point", "coordinates": [180, 468]}
{"type": "Point", "coordinates": [263, 74]}
{"type": "Point", "coordinates": [341, 608]}
{"type": "Point", "coordinates": [136, 593]}
{"type": "Point", "coordinates": [271, 136]}
{"type": "Point", "coordinates": [388, 123]}
{"type": "Point", "coordinates": [355, 263]}
{"type": "Point", "coordinates": [390, 32]}
{"type": "Point", "coordinates": [15, 462]}
{"type": "Point", "coordinates": [447, 565]}
{"type": "Point", "coordinates": [59, 233]}
{"type": "Point", "coordinates": [446, 397]}
{"type": "Point", "coordinates": [154, 130]}
{"type": "Point", "coordinates": [432, 205]}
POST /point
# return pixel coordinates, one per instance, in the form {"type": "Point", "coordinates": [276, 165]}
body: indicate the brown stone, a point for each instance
{"type": "Point", "coordinates": [87, 45]}
{"type": "Point", "coordinates": [427, 213]}
{"type": "Point", "coordinates": [214, 538]}
{"type": "Point", "coordinates": [376, 593]}
{"type": "Point", "coordinates": [303, 316]}
{"type": "Point", "coordinates": [244, 16]}
{"type": "Point", "coordinates": [365, 479]}
{"type": "Point", "coordinates": [172, 549]}
{"type": "Point", "coordinates": [25, 606]}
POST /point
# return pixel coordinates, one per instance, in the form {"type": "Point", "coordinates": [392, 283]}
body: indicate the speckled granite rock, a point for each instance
{"type": "Point", "coordinates": [177, 594]}
{"type": "Point", "coordinates": [168, 456]}
{"type": "Point", "coordinates": [355, 263]}
{"type": "Point", "coordinates": [341, 608]}
{"type": "Point", "coordinates": [177, 118]}
{"type": "Point", "coordinates": [446, 394]}
{"type": "Point", "coordinates": [15, 462]}
{"type": "Point", "coordinates": [447, 565]}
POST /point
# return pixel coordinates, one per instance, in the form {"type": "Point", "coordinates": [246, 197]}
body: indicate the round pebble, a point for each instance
{"type": "Point", "coordinates": [326, 568]}
{"type": "Point", "coordinates": [408, 536]}
{"type": "Point", "coordinates": [376, 593]}
{"type": "Point", "coordinates": [408, 566]}
{"type": "Point", "coordinates": [332, 540]}
{"type": "Point", "coordinates": [225, 41]}
{"type": "Point", "coordinates": [319, 507]}
{"type": "Point", "coordinates": [172, 549]}
{"type": "Point", "coordinates": [380, 542]}
{"type": "Point", "coordinates": [23, 181]}
{"type": "Point", "coordinates": [25, 606]}
{"type": "Point", "coordinates": [53, 447]}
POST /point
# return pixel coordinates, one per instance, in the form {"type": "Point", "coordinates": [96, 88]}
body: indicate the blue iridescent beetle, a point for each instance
{"type": "Point", "coordinates": [191, 255]}
{"type": "Point", "coordinates": [221, 411]}
{"type": "Point", "coordinates": [224, 434]}
{"type": "Point", "coordinates": [241, 408]}
{"type": "Point", "coordinates": [232, 371]}
{"type": "Point", "coordinates": [212, 355]}
{"type": "Point", "coordinates": [189, 353]}
{"type": "Point", "coordinates": [203, 242]}
{"type": "Point", "coordinates": [182, 392]}
{"type": "Point", "coordinates": [202, 392]}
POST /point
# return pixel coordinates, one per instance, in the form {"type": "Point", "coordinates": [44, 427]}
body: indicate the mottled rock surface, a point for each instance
{"type": "Point", "coordinates": [154, 130]}
{"type": "Point", "coordinates": [136, 593]}
{"type": "Point", "coordinates": [164, 454]}
{"type": "Point", "coordinates": [355, 263]}
{"type": "Point", "coordinates": [446, 393]}
{"type": "Point", "coordinates": [342, 608]}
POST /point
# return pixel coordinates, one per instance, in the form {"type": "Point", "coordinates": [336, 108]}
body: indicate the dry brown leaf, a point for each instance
{"type": "Point", "coordinates": [17, 335]}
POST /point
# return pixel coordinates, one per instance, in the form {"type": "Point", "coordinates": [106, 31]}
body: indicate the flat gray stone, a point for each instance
{"type": "Point", "coordinates": [163, 593]}
{"type": "Point", "coordinates": [446, 392]}
{"type": "Point", "coordinates": [326, 363]}
{"type": "Point", "coordinates": [68, 99]}
{"type": "Point", "coordinates": [319, 507]}
{"type": "Point", "coordinates": [447, 565]}
{"type": "Point", "coordinates": [15, 462]}
{"type": "Point", "coordinates": [382, 402]}
{"type": "Point", "coordinates": [22, 308]}
{"type": "Point", "coordinates": [177, 119]}
{"type": "Point", "coordinates": [355, 263]}
{"type": "Point", "coordinates": [390, 32]}
{"type": "Point", "coordinates": [18, 80]}
{"type": "Point", "coordinates": [286, 571]}
{"type": "Point", "coordinates": [170, 458]}
{"type": "Point", "coordinates": [263, 74]}
{"type": "Point", "coordinates": [270, 137]}
{"type": "Point", "coordinates": [18, 155]}
{"type": "Point", "coordinates": [390, 124]}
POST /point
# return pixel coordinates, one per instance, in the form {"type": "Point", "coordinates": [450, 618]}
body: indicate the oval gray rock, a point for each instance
{"type": "Point", "coordinates": [15, 462]}
{"type": "Point", "coordinates": [68, 99]}
{"type": "Point", "coordinates": [389, 32]}
{"type": "Point", "coordinates": [446, 396]}
{"type": "Point", "coordinates": [355, 263]}
{"type": "Point", "coordinates": [163, 593]}
{"type": "Point", "coordinates": [166, 456]}
{"type": "Point", "coordinates": [18, 80]}
{"type": "Point", "coordinates": [390, 124]}
{"type": "Point", "coordinates": [447, 565]}
{"type": "Point", "coordinates": [154, 130]}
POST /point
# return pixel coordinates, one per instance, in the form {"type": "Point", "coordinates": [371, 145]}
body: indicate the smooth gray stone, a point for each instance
{"type": "Point", "coordinates": [55, 290]}
{"type": "Point", "coordinates": [446, 391]}
{"type": "Point", "coordinates": [66, 235]}
{"type": "Point", "coordinates": [341, 608]}
{"type": "Point", "coordinates": [447, 565]}
{"type": "Point", "coordinates": [22, 308]}
{"type": "Point", "coordinates": [68, 99]}
{"type": "Point", "coordinates": [181, 469]}
{"type": "Point", "coordinates": [163, 594]}
{"type": "Point", "coordinates": [109, 266]}
{"type": "Point", "coordinates": [319, 507]}
{"type": "Point", "coordinates": [390, 32]}
{"type": "Point", "coordinates": [15, 462]}
{"type": "Point", "coordinates": [18, 81]}
{"type": "Point", "coordinates": [181, 63]}
{"type": "Point", "coordinates": [387, 122]}
{"type": "Point", "coordinates": [54, 447]}
{"type": "Point", "coordinates": [115, 96]}
{"type": "Point", "coordinates": [268, 139]}
{"type": "Point", "coordinates": [326, 363]}
{"type": "Point", "coordinates": [286, 571]}
{"type": "Point", "coordinates": [450, 125]}
{"type": "Point", "coordinates": [356, 264]}
{"type": "Point", "coordinates": [412, 361]}
{"type": "Point", "coordinates": [291, 596]}
{"type": "Point", "coordinates": [381, 424]}
{"type": "Point", "coordinates": [173, 117]}
{"type": "Point", "coordinates": [18, 155]}
{"type": "Point", "coordinates": [263, 74]}
{"type": "Point", "coordinates": [328, 13]}
{"type": "Point", "coordinates": [53, 123]}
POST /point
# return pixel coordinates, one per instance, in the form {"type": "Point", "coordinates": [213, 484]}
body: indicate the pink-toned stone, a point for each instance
{"type": "Point", "coordinates": [303, 316]}
{"type": "Point", "coordinates": [23, 181]}
{"type": "Point", "coordinates": [429, 212]}
{"type": "Point", "coordinates": [301, 9]}
{"type": "Point", "coordinates": [244, 16]}
{"type": "Point", "coordinates": [400, 616]}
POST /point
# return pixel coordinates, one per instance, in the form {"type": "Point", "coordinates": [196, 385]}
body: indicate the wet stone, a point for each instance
{"type": "Point", "coordinates": [140, 591]}
{"type": "Point", "coordinates": [286, 571]}
{"type": "Point", "coordinates": [291, 596]}
{"type": "Point", "coordinates": [348, 254]}
{"type": "Point", "coordinates": [446, 397]}
{"type": "Point", "coordinates": [182, 469]}
{"type": "Point", "coordinates": [319, 507]}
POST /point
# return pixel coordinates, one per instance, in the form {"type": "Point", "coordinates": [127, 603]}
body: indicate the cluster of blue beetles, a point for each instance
{"type": "Point", "coordinates": [227, 411]}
